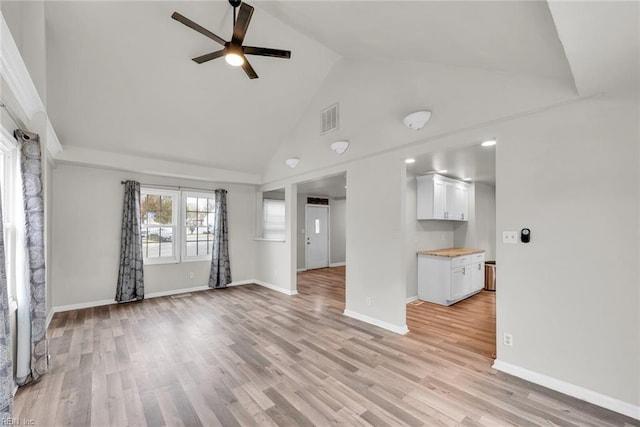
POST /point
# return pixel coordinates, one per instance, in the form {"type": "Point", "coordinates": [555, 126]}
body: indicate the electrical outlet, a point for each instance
{"type": "Point", "coordinates": [507, 340]}
{"type": "Point", "coordinates": [191, 275]}
{"type": "Point", "coordinates": [368, 300]}
{"type": "Point", "coordinates": [509, 237]}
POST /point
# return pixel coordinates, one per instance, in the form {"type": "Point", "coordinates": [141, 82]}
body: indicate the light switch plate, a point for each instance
{"type": "Point", "coordinates": [509, 237]}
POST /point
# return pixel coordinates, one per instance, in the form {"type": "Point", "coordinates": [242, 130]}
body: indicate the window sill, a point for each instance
{"type": "Point", "coordinates": [262, 239]}
{"type": "Point", "coordinates": [146, 263]}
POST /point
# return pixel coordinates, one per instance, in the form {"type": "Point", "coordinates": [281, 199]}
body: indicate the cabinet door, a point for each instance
{"type": "Point", "coordinates": [439, 197]}
{"type": "Point", "coordinates": [457, 201]}
{"type": "Point", "coordinates": [477, 276]}
{"type": "Point", "coordinates": [460, 282]}
{"type": "Point", "coordinates": [449, 200]}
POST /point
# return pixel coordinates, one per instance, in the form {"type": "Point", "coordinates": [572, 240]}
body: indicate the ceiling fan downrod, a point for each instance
{"type": "Point", "coordinates": [234, 4]}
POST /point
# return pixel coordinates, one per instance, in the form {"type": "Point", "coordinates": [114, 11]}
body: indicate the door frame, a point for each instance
{"type": "Point", "coordinates": [306, 234]}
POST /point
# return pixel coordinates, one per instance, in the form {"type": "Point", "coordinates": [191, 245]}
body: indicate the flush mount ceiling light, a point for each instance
{"type": "Point", "coordinates": [417, 120]}
{"type": "Point", "coordinates": [409, 161]}
{"type": "Point", "coordinates": [489, 143]}
{"type": "Point", "coordinates": [292, 162]}
{"type": "Point", "coordinates": [340, 147]}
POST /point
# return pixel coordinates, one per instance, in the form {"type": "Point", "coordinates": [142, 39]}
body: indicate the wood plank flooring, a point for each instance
{"type": "Point", "coordinates": [469, 324]}
{"type": "Point", "coordinates": [247, 355]}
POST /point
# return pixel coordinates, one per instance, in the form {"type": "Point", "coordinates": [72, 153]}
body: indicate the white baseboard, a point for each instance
{"type": "Point", "coordinates": [337, 264]}
{"type": "Point", "coordinates": [569, 389]}
{"type": "Point", "coordinates": [301, 270]}
{"type": "Point", "coordinates": [274, 287]}
{"type": "Point", "coordinates": [402, 330]}
{"type": "Point", "coordinates": [242, 282]}
{"type": "Point", "coordinates": [81, 305]}
{"type": "Point", "coordinates": [99, 303]}
{"type": "Point", "coordinates": [412, 299]}
{"type": "Point", "coordinates": [49, 317]}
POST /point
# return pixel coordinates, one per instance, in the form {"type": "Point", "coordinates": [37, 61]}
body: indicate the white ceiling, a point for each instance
{"type": "Point", "coordinates": [334, 187]}
{"type": "Point", "coordinates": [120, 78]}
{"type": "Point", "coordinates": [513, 36]}
{"type": "Point", "coordinates": [475, 162]}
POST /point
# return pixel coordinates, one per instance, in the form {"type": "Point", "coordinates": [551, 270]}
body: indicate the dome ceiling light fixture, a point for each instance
{"type": "Point", "coordinates": [339, 147]}
{"type": "Point", "coordinates": [417, 120]}
{"type": "Point", "coordinates": [292, 162]}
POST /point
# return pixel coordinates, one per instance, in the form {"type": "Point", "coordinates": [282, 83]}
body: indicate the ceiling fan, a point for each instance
{"type": "Point", "coordinates": [234, 52]}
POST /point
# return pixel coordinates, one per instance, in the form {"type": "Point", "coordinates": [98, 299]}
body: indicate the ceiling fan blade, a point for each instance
{"type": "Point", "coordinates": [189, 23]}
{"type": "Point", "coordinates": [242, 23]}
{"type": "Point", "coordinates": [209, 56]}
{"type": "Point", "coordinates": [265, 51]}
{"type": "Point", "coordinates": [249, 69]}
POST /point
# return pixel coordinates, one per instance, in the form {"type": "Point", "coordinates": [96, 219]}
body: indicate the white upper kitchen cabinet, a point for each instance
{"type": "Point", "coordinates": [440, 197]}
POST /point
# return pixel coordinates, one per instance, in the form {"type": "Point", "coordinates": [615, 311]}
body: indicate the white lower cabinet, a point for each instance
{"type": "Point", "coordinates": [445, 280]}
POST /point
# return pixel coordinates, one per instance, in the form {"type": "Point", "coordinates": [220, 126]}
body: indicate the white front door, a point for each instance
{"type": "Point", "coordinates": [317, 236]}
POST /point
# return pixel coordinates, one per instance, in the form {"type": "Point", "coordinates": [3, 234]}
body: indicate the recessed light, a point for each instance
{"type": "Point", "coordinates": [466, 179]}
{"type": "Point", "coordinates": [409, 161]}
{"type": "Point", "coordinates": [443, 171]}
{"type": "Point", "coordinates": [489, 143]}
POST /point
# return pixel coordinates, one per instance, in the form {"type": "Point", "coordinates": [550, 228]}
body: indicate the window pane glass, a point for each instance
{"type": "Point", "coordinates": [158, 227]}
{"type": "Point", "coordinates": [192, 204]}
{"type": "Point", "coordinates": [192, 248]}
{"type": "Point", "coordinates": [199, 226]}
{"type": "Point", "coordinates": [273, 219]}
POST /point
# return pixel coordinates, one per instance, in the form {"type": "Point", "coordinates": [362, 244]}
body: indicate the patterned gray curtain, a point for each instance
{"type": "Point", "coordinates": [220, 275]}
{"type": "Point", "coordinates": [33, 352]}
{"type": "Point", "coordinates": [6, 368]}
{"type": "Point", "coordinates": [131, 274]}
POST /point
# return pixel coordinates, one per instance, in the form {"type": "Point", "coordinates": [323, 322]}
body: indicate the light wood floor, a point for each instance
{"type": "Point", "coordinates": [248, 355]}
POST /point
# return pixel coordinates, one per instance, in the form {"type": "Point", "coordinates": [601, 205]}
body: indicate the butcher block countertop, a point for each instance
{"type": "Point", "coordinates": [451, 252]}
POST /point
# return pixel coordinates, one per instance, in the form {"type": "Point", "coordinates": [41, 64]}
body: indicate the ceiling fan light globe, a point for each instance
{"type": "Point", "coordinates": [234, 59]}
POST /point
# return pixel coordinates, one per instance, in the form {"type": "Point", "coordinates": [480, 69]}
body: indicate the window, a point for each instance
{"type": "Point", "coordinates": [176, 225]}
{"type": "Point", "coordinates": [198, 225]}
{"type": "Point", "coordinates": [273, 219]}
{"type": "Point", "coordinates": [9, 189]}
{"type": "Point", "coordinates": [159, 225]}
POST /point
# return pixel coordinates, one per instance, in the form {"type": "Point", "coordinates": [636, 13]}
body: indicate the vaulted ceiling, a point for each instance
{"type": "Point", "coordinates": [120, 76]}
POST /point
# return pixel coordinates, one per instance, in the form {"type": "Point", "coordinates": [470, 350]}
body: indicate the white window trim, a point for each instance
{"type": "Point", "coordinates": [175, 259]}
{"type": "Point", "coordinates": [183, 210]}
{"type": "Point", "coordinates": [179, 227]}
{"type": "Point", "coordinates": [9, 149]}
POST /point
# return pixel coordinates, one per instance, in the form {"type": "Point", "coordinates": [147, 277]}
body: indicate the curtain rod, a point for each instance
{"type": "Point", "coordinates": [173, 187]}
{"type": "Point", "coordinates": [17, 122]}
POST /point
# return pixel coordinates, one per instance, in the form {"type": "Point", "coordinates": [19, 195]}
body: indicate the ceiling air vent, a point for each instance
{"type": "Point", "coordinates": [330, 119]}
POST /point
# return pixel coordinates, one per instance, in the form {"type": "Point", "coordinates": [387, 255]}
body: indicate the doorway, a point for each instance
{"type": "Point", "coordinates": [317, 238]}
{"type": "Point", "coordinates": [468, 325]}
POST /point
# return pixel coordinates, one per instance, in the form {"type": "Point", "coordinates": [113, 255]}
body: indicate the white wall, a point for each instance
{"type": "Point", "coordinates": [338, 230]}
{"type": "Point", "coordinates": [480, 230]}
{"type": "Point", "coordinates": [85, 245]}
{"type": "Point", "coordinates": [271, 261]}
{"type": "Point", "coordinates": [376, 240]}
{"type": "Point", "coordinates": [276, 260]}
{"type": "Point", "coordinates": [570, 298]}
{"type": "Point", "coordinates": [26, 20]}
